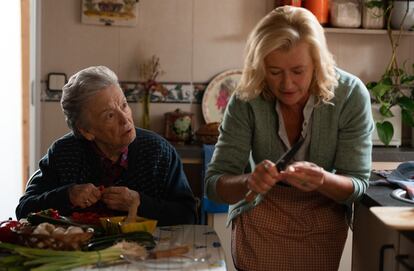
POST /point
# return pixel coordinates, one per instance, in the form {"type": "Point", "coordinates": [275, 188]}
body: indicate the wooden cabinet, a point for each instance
{"type": "Point", "coordinates": [192, 159]}
{"type": "Point", "coordinates": [406, 252]}
{"type": "Point", "coordinates": [379, 247]}
{"type": "Point", "coordinates": [371, 238]}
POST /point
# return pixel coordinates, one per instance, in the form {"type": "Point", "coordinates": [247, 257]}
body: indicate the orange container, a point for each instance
{"type": "Point", "coordinates": [295, 3]}
{"type": "Point", "coordinates": [320, 8]}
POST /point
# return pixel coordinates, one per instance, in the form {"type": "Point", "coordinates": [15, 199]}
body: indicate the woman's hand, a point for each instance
{"type": "Point", "coordinates": [121, 198]}
{"type": "Point", "coordinates": [305, 176]}
{"type": "Point", "coordinates": [263, 178]}
{"type": "Point", "coordinates": [84, 195]}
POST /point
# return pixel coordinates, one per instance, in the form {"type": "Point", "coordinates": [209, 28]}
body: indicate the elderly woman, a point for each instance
{"type": "Point", "coordinates": [291, 92]}
{"type": "Point", "coordinates": [106, 165]}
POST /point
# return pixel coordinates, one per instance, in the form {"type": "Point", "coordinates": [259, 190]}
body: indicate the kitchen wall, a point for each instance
{"type": "Point", "coordinates": [194, 39]}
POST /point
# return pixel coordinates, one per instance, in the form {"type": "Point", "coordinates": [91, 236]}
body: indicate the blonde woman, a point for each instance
{"type": "Point", "coordinates": [291, 91]}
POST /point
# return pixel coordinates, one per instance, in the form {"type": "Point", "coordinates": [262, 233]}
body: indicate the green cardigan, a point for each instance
{"type": "Point", "coordinates": [340, 139]}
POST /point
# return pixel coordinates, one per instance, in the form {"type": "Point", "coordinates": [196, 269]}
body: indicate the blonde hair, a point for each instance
{"type": "Point", "coordinates": [283, 28]}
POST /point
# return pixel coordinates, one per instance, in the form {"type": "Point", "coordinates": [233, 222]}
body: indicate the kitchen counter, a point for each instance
{"type": "Point", "coordinates": [380, 195]}
{"type": "Point", "coordinates": [391, 154]}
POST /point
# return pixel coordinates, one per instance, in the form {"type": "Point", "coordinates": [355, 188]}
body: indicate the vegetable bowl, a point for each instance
{"type": "Point", "coordinates": [117, 224]}
{"type": "Point", "coordinates": [49, 236]}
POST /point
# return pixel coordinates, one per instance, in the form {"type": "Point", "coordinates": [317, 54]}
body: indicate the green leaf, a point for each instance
{"type": "Point", "coordinates": [406, 103]}
{"type": "Point", "coordinates": [386, 79]}
{"type": "Point", "coordinates": [380, 89]}
{"type": "Point", "coordinates": [407, 79]}
{"type": "Point", "coordinates": [373, 4]}
{"type": "Point", "coordinates": [407, 117]}
{"type": "Point", "coordinates": [385, 111]}
{"type": "Point", "coordinates": [385, 132]}
{"type": "Point", "coordinates": [371, 85]}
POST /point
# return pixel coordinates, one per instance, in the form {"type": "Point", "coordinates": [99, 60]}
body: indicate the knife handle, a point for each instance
{"type": "Point", "coordinates": [250, 196]}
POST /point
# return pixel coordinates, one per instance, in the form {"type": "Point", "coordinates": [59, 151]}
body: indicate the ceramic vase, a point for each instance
{"type": "Point", "coordinates": [398, 12]}
{"type": "Point", "coordinates": [145, 120]}
{"type": "Point", "coordinates": [396, 122]}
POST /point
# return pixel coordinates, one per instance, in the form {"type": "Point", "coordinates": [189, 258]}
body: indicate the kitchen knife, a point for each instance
{"type": "Point", "coordinates": [280, 165]}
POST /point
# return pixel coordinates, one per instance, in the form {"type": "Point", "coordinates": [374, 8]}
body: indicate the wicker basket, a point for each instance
{"type": "Point", "coordinates": [208, 134]}
{"type": "Point", "coordinates": [72, 241]}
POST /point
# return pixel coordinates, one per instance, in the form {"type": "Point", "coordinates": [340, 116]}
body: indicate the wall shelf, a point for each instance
{"type": "Point", "coordinates": [337, 30]}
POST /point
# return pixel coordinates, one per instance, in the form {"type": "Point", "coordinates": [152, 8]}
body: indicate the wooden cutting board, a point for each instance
{"type": "Point", "coordinates": [399, 218]}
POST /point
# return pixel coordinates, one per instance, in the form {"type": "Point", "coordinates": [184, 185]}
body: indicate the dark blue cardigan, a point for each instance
{"type": "Point", "coordinates": [154, 170]}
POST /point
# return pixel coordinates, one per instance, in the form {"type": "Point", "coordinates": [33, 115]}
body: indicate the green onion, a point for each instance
{"type": "Point", "coordinates": [49, 260]}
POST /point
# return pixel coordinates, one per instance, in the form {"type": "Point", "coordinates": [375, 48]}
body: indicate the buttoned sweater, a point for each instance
{"type": "Point", "coordinates": [154, 171]}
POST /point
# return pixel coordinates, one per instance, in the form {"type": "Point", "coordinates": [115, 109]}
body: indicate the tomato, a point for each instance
{"type": "Point", "coordinates": [6, 231]}
{"type": "Point", "coordinates": [9, 224]}
{"type": "Point", "coordinates": [90, 218]}
{"type": "Point", "coordinates": [51, 213]}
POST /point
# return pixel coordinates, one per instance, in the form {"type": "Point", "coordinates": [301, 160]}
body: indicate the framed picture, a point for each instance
{"type": "Point", "coordinates": [110, 12]}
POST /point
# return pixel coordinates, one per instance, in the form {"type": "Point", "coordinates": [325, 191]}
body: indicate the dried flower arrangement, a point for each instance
{"type": "Point", "coordinates": [148, 72]}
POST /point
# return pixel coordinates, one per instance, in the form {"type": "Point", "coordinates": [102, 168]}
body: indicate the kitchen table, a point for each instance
{"type": "Point", "coordinates": [205, 251]}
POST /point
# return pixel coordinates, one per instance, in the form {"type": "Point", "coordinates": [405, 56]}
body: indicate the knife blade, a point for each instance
{"type": "Point", "coordinates": [280, 165]}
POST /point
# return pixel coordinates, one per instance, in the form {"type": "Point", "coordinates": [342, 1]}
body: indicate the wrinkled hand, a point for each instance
{"type": "Point", "coordinates": [120, 198]}
{"type": "Point", "coordinates": [84, 195]}
{"type": "Point", "coordinates": [263, 178]}
{"type": "Point", "coordinates": [305, 176]}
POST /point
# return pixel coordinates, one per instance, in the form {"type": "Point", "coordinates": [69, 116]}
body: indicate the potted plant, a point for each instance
{"type": "Point", "coordinates": [395, 87]}
{"type": "Point", "coordinates": [373, 14]}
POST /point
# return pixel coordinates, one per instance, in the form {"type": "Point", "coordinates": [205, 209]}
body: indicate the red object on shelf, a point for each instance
{"type": "Point", "coordinates": [320, 8]}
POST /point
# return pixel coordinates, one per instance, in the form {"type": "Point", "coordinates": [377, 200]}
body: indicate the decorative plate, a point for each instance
{"type": "Point", "coordinates": [217, 95]}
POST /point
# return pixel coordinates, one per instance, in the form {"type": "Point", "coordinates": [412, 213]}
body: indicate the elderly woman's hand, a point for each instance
{"type": "Point", "coordinates": [305, 176]}
{"type": "Point", "coordinates": [84, 195]}
{"type": "Point", "coordinates": [120, 198]}
{"type": "Point", "coordinates": [263, 178]}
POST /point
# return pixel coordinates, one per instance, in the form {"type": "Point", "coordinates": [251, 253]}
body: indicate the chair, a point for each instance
{"type": "Point", "coordinates": [208, 206]}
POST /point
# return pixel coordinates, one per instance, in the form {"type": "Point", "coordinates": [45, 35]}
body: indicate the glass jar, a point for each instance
{"type": "Point", "coordinates": [319, 8]}
{"type": "Point", "coordinates": [373, 14]}
{"type": "Point", "coordinates": [345, 13]}
{"type": "Point", "coordinates": [398, 12]}
{"type": "Point", "coordinates": [295, 3]}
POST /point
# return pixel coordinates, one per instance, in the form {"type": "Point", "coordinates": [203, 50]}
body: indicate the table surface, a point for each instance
{"type": "Point", "coordinates": [205, 251]}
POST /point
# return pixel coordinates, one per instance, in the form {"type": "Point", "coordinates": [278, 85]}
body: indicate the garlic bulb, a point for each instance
{"type": "Point", "coordinates": [73, 230]}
